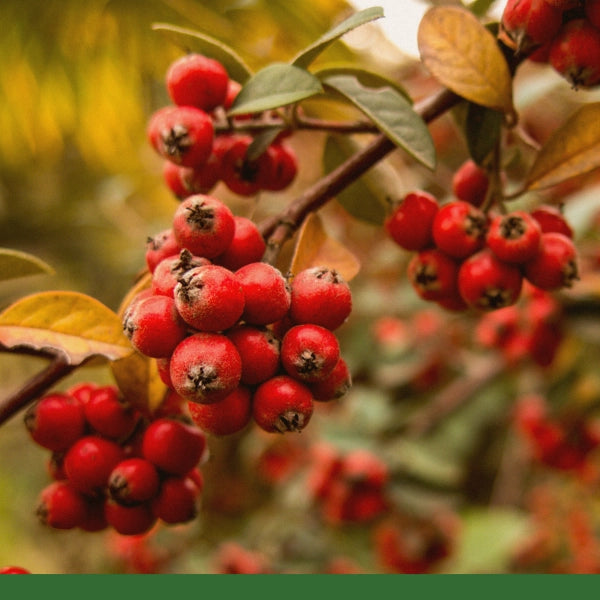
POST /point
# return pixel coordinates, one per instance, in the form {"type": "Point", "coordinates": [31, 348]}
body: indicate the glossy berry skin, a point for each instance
{"type": "Point", "coordinates": [160, 246]}
{"type": "Point", "coordinates": [209, 298]}
{"type": "Point", "coordinates": [247, 245]}
{"type": "Point", "coordinates": [410, 222]}
{"type": "Point", "coordinates": [197, 80]}
{"type": "Point", "coordinates": [177, 500]}
{"type": "Point", "coordinates": [129, 520]}
{"type": "Point", "coordinates": [204, 225]}
{"type": "Point", "coordinates": [333, 386]}
{"type": "Point", "coordinates": [470, 183]}
{"type": "Point", "coordinates": [89, 461]}
{"type": "Point", "coordinates": [514, 237]}
{"type": "Point", "coordinates": [309, 352]}
{"type": "Point", "coordinates": [154, 326]}
{"type": "Point", "coordinates": [555, 266]}
{"type": "Point", "coordinates": [321, 296]}
{"type": "Point", "coordinates": [205, 367]}
{"type": "Point", "coordinates": [459, 229]}
{"type": "Point", "coordinates": [169, 270]}
{"type": "Point", "coordinates": [14, 570]}
{"type": "Point", "coordinates": [575, 53]}
{"type": "Point", "coordinates": [282, 404]}
{"type": "Point", "coordinates": [487, 283]}
{"type": "Point", "coordinates": [259, 350]}
{"type": "Point", "coordinates": [109, 414]}
{"type": "Point", "coordinates": [133, 481]}
{"type": "Point", "coordinates": [550, 218]}
{"type": "Point", "coordinates": [56, 421]}
{"type": "Point", "coordinates": [266, 293]}
{"type": "Point", "coordinates": [61, 506]}
{"type": "Point", "coordinates": [225, 417]}
{"type": "Point", "coordinates": [433, 274]}
{"type": "Point", "coordinates": [182, 134]}
{"type": "Point", "coordinates": [172, 445]}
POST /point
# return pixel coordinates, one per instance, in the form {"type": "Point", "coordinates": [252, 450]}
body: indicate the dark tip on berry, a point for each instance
{"type": "Point", "coordinates": [290, 421]}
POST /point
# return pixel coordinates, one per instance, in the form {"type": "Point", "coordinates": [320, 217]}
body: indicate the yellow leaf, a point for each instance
{"type": "Point", "coordinates": [572, 150]}
{"type": "Point", "coordinates": [76, 325]}
{"type": "Point", "coordinates": [14, 263]}
{"type": "Point", "coordinates": [143, 283]}
{"type": "Point", "coordinates": [314, 248]}
{"type": "Point", "coordinates": [464, 56]}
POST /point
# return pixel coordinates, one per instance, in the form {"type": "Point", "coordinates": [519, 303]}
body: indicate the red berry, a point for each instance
{"type": "Point", "coordinates": [205, 367]}
{"type": "Point", "coordinates": [266, 292]}
{"type": "Point", "coordinates": [592, 12]}
{"type": "Point", "coordinates": [169, 270]}
{"type": "Point", "coordinates": [129, 520]}
{"type": "Point", "coordinates": [133, 481]}
{"type": "Point", "coordinates": [459, 229]}
{"type": "Point", "coordinates": [61, 506]}
{"type": "Point", "coordinates": [173, 177]}
{"type": "Point", "coordinates": [333, 386]}
{"type": "Point", "coordinates": [321, 296]}
{"type": "Point", "coordinates": [575, 53]}
{"type": "Point", "coordinates": [283, 169]}
{"type": "Point", "coordinates": [487, 283]}
{"type": "Point", "coordinates": [309, 352]}
{"type": "Point", "coordinates": [89, 461]}
{"type": "Point", "coordinates": [514, 237]}
{"type": "Point", "coordinates": [56, 421]}
{"type": "Point", "coordinates": [282, 404]}
{"type": "Point", "coordinates": [161, 246]}
{"type": "Point", "coordinates": [177, 500]}
{"type": "Point", "coordinates": [197, 80]}
{"type": "Point", "coordinates": [173, 445]}
{"type": "Point", "coordinates": [410, 222]}
{"type": "Point", "coordinates": [364, 467]}
{"type": "Point", "coordinates": [204, 225]}
{"type": "Point", "coordinates": [550, 218]}
{"type": "Point", "coordinates": [247, 245]}
{"type": "Point", "coordinates": [181, 134]}
{"type": "Point", "coordinates": [470, 183]}
{"type": "Point", "coordinates": [14, 570]}
{"type": "Point", "coordinates": [225, 417]}
{"type": "Point", "coordinates": [109, 413]}
{"type": "Point", "coordinates": [432, 273]}
{"type": "Point", "coordinates": [555, 266]}
{"type": "Point", "coordinates": [154, 326]}
{"type": "Point", "coordinates": [82, 391]}
{"type": "Point", "coordinates": [95, 519]}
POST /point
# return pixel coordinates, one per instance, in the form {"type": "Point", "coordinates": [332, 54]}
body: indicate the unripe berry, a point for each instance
{"type": "Point", "coordinates": [205, 367]}
{"type": "Point", "coordinates": [133, 481]}
{"type": "Point", "coordinates": [204, 225]}
{"type": "Point", "coordinates": [321, 296]}
{"type": "Point", "coordinates": [555, 266]}
{"type": "Point", "coordinates": [309, 352]}
{"type": "Point", "coordinates": [282, 404]}
{"type": "Point", "coordinates": [109, 413]}
{"type": "Point", "coordinates": [514, 237]}
{"type": "Point", "coordinates": [181, 134]}
{"type": "Point", "coordinates": [470, 183]}
{"type": "Point", "coordinates": [247, 245]}
{"type": "Point", "coordinates": [197, 80]}
{"type": "Point", "coordinates": [266, 293]}
{"type": "Point", "coordinates": [225, 417]}
{"type": "Point", "coordinates": [172, 445]}
{"type": "Point", "coordinates": [410, 222]}
{"type": "Point", "coordinates": [61, 506]}
{"type": "Point", "coordinates": [129, 520]}
{"type": "Point", "coordinates": [177, 500]}
{"type": "Point", "coordinates": [56, 421]}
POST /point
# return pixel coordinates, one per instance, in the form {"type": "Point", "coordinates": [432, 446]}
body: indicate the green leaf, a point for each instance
{"type": "Point", "coordinates": [14, 264]}
{"type": "Point", "coordinates": [194, 41]}
{"type": "Point", "coordinates": [367, 198]}
{"type": "Point", "coordinates": [278, 84]}
{"type": "Point", "coordinates": [392, 114]}
{"type": "Point", "coordinates": [262, 141]}
{"type": "Point", "coordinates": [306, 56]}
{"type": "Point", "coordinates": [572, 150]}
{"type": "Point", "coordinates": [464, 56]}
{"type": "Point", "coordinates": [482, 131]}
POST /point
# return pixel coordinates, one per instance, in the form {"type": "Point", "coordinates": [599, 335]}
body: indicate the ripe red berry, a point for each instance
{"type": "Point", "coordinates": [459, 229]}
{"type": "Point", "coordinates": [173, 178]}
{"type": "Point", "coordinates": [592, 12]}
{"type": "Point", "coordinates": [154, 326]}
{"type": "Point", "coordinates": [56, 421]}
{"type": "Point", "coordinates": [321, 296]}
{"type": "Point", "coordinates": [109, 414]}
{"type": "Point", "coordinates": [514, 237]}
{"type": "Point", "coordinates": [82, 391]}
{"type": "Point", "coordinates": [266, 292]}
{"type": "Point", "coordinates": [555, 266]}
{"type": "Point", "coordinates": [470, 183]}
{"type": "Point", "coordinates": [204, 225]}
{"type": "Point", "coordinates": [410, 222]}
{"type": "Point", "coordinates": [133, 481]}
{"type": "Point", "coordinates": [177, 500]}
{"type": "Point", "coordinates": [225, 417]}
{"type": "Point", "coordinates": [61, 506]}
{"type": "Point", "coordinates": [205, 367]}
{"type": "Point", "coordinates": [282, 404]}
{"type": "Point", "coordinates": [432, 273]}
{"type": "Point", "coordinates": [14, 570]}
{"type": "Point", "coordinates": [363, 467]}
{"type": "Point", "coordinates": [550, 218]}
{"type": "Point", "coordinates": [89, 461]}
{"type": "Point", "coordinates": [309, 352]}
{"type": "Point", "coordinates": [160, 246]}
{"type": "Point", "coordinates": [247, 245]}
{"type": "Point", "coordinates": [173, 445]}
{"type": "Point", "coordinates": [575, 53]}
{"type": "Point", "coordinates": [487, 283]}
{"type": "Point", "coordinates": [333, 386]}
{"type": "Point", "coordinates": [129, 520]}
{"type": "Point", "coordinates": [197, 80]}
{"type": "Point", "coordinates": [284, 168]}
{"type": "Point", "coordinates": [169, 270]}
{"type": "Point", "coordinates": [181, 134]}
{"type": "Point", "coordinates": [259, 350]}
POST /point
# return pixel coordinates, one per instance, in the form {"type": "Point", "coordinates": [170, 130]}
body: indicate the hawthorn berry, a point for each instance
{"type": "Point", "coordinates": [551, 218]}
{"type": "Point", "coordinates": [514, 237]}
{"type": "Point", "coordinates": [160, 246]}
{"type": "Point", "coordinates": [14, 570]}
{"type": "Point", "coordinates": [470, 183]}
{"type": "Point", "coordinates": [204, 225]}
{"type": "Point", "coordinates": [61, 506]}
{"type": "Point", "coordinates": [129, 520]}
{"type": "Point", "coordinates": [169, 270]}
{"type": "Point", "coordinates": [133, 481]}
{"type": "Point", "coordinates": [109, 414]}
{"type": "Point", "coordinates": [459, 229]}
{"type": "Point", "coordinates": [247, 245]}
{"type": "Point", "coordinates": [177, 500]}
{"type": "Point", "coordinates": [173, 178]}
{"type": "Point", "coordinates": [332, 386]}
{"type": "Point", "coordinates": [205, 367]}
{"type": "Point", "coordinates": [282, 404]}
{"type": "Point", "coordinates": [284, 167]}
{"type": "Point", "coordinates": [592, 12]}
{"type": "Point", "coordinates": [433, 274]}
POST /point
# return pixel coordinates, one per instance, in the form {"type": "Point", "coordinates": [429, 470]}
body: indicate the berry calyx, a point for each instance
{"type": "Point", "coordinates": [514, 237]}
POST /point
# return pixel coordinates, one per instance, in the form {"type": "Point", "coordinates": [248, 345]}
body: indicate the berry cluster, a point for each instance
{"type": "Point", "coordinates": [467, 257]}
{"type": "Point", "coordinates": [112, 466]}
{"type": "Point", "coordinates": [562, 33]}
{"type": "Point", "coordinates": [232, 335]}
{"type": "Point", "coordinates": [194, 136]}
